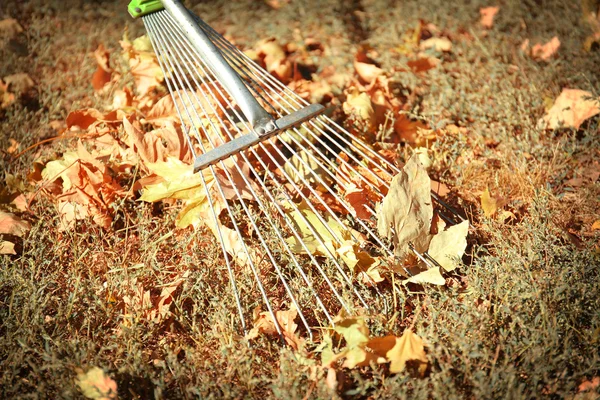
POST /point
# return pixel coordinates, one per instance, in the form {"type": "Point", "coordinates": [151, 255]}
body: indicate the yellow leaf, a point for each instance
{"type": "Point", "coordinates": [7, 247]}
{"type": "Point", "coordinates": [438, 44]}
{"type": "Point", "coordinates": [596, 225]}
{"type": "Point", "coordinates": [180, 181]}
{"type": "Point", "coordinates": [302, 168]}
{"type": "Point", "coordinates": [447, 247]}
{"type": "Point", "coordinates": [359, 109]}
{"type": "Point", "coordinates": [490, 204]}
{"type": "Point", "coordinates": [405, 213]}
{"type": "Point", "coordinates": [408, 347]}
{"type": "Point", "coordinates": [95, 384]}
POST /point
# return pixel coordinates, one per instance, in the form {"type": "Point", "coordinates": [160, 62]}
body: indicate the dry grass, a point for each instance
{"type": "Point", "coordinates": [520, 319]}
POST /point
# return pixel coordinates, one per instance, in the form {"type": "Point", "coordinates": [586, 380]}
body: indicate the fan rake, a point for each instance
{"type": "Point", "coordinates": [244, 127]}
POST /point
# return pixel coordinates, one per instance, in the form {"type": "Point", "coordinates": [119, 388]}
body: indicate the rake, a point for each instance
{"type": "Point", "coordinates": [243, 126]}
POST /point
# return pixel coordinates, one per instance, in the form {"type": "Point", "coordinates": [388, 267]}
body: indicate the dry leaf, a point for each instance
{"type": "Point", "coordinates": [19, 83]}
{"type": "Point", "coordinates": [367, 72]}
{"type": "Point", "coordinates": [408, 347]}
{"type": "Point", "coordinates": [406, 212]}
{"type": "Point", "coordinates": [89, 117]}
{"type": "Point", "coordinates": [7, 247]}
{"type": "Point", "coordinates": [487, 16]}
{"type": "Point", "coordinates": [447, 247]}
{"type": "Point", "coordinates": [275, 59]}
{"type": "Point", "coordinates": [589, 385]}
{"type": "Point", "coordinates": [596, 225]}
{"type": "Point", "coordinates": [490, 204]}
{"type": "Point", "coordinates": [10, 224]}
{"type": "Point", "coordinates": [407, 130]}
{"type": "Point", "coordinates": [360, 113]}
{"type": "Point", "coordinates": [95, 384]}
{"type": "Point", "coordinates": [570, 110]}
{"type": "Point", "coordinates": [423, 64]}
{"type": "Point", "coordinates": [438, 44]}
{"type": "Point", "coordinates": [103, 72]}
{"type": "Point", "coordinates": [431, 275]}
{"type": "Point", "coordinates": [543, 51]}
{"type": "Point", "coordinates": [14, 146]}
{"type": "Point", "coordinates": [264, 324]}
{"type": "Point", "coordinates": [9, 28]}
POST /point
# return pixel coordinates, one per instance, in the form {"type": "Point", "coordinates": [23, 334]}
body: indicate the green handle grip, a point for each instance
{"type": "Point", "coordinates": [138, 8]}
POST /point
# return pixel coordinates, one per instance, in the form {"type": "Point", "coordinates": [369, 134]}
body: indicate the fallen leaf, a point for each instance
{"type": "Point", "coordinates": [275, 59]}
{"type": "Point", "coordinates": [570, 110]}
{"type": "Point", "coordinates": [12, 225]}
{"type": "Point", "coordinates": [143, 64]}
{"type": "Point", "coordinates": [19, 83]}
{"type": "Point", "coordinates": [406, 212]}
{"type": "Point", "coordinates": [596, 225]}
{"type": "Point", "coordinates": [9, 28]}
{"type": "Point", "coordinates": [264, 324]}
{"type": "Point", "coordinates": [490, 204]}
{"type": "Point", "coordinates": [7, 247]}
{"type": "Point", "coordinates": [544, 51]}
{"type": "Point", "coordinates": [360, 113]}
{"type": "Point", "coordinates": [14, 146]}
{"type": "Point", "coordinates": [103, 72]}
{"type": "Point", "coordinates": [589, 385]}
{"type": "Point", "coordinates": [438, 44]}
{"type": "Point", "coordinates": [96, 384]}
{"type": "Point", "coordinates": [408, 347]}
{"type": "Point", "coordinates": [303, 168]}
{"type": "Point", "coordinates": [447, 247]}
{"type": "Point", "coordinates": [487, 16]}
{"type": "Point", "coordinates": [423, 64]}
{"type": "Point", "coordinates": [431, 275]}
{"type": "Point", "coordinates": [88, 117]}
{"type": "Point", "coordinates": [408, 130]}
{"type": "Point", "coordinates": [367, 72]}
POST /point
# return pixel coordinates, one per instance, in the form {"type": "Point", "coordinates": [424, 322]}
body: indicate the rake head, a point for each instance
{"type": "Point", "coordinates": [273, 178]}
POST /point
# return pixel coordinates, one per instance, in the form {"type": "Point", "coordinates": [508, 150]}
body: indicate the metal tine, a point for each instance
{"type": "Point", "coordinates": [160, 50]}
{"type": "Point", "coordinates": [177, 46]}
{"type": "Point", "coordinates": [230, 50]}
{"type": "Point", "coordinates": [266, 248]}
{"type": "Point", "coordinates": [340, 269]}
{"type": "Point", "coordinates": [150, 30]}
{"type": "Point", "coordinates": [333, 215]}
{"type": "Point", "coordinates": [374, 236]}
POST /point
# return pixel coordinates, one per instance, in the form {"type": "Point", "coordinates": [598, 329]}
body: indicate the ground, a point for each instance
{"type": "Point", "coordinates": [519, 319]}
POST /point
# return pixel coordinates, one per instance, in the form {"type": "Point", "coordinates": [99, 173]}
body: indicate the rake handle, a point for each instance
{"type": "Point", "coordinates": [259, 118]}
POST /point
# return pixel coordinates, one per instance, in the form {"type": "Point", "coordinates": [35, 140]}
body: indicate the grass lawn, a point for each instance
{"type": "Point", "coordinates": [520, 318]}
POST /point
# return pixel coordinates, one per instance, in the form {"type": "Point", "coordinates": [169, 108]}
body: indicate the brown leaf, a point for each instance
{"type": "Point", "coordinates": [543, 51]}
{"type": "Point", "coordinates": [487, 16]}
{"type": "Point", "coordinates": [589, 385]}
{"type": "Point", "coordinates": [570, 110]}
{"type": "Point", "coordinates": [86, 118]}
{"type": "Point", "coordinates": [103, 72]}
{"type": "Point", "coordinates": [423, 64]}
{"type": "Point", "coordinates": [12, 225]}
{"type": "Point", "coordinates": [146, 144]}
{"type": "Point", "coordinates": [406, 212]}
{"type": "Point", "coordinates": [407, 130]}
{"type": "Point", "coordinates": [264, 324]}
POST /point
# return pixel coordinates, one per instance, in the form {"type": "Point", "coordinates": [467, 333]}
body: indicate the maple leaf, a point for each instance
{"type": "Point", "coordinates": [571, 108]}
{"type": "Point", "coordinates": [84, 119]}
{"type": "Point", "coordinates": [408, 347]}
{"type": "Point", "coordinates": [487, 16]}
{"type": "Point", "coordinates": [95, 384]}
{"type": "Point", "coordinates": [143, 64]}
{"type": "Point", "coordinates": [406, 212]}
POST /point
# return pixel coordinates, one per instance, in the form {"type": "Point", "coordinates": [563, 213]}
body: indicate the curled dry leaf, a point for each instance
{"type": "Point", "coordinates": [570, 110]}
{"type": "Point", "coordinates": [97, 385]}
{"type": "Point", "coordinates": [487, 16]}
{"type": "Point", "coordinates": [103, 72]}
{"type": "Point", "coordinates": [360, 113]}
{"type": "Point", "coordinates": [406, 212]}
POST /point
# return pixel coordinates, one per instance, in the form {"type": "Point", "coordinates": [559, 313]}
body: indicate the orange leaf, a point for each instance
{"type": "Point", "coordinates": [487, 16]}
{"type": "Point", "coordinates": [570, 110]}
{"type": "Point", "coordinates": [12, 225]}
{"type": "Point", "coordinates": [367, 72]}
{"type": "Point", "coordinates": [85, 118]}
{"type": "Point", "coordinates": [103, 73]}
{"type": "Point", "coordinates": [545, 51]}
